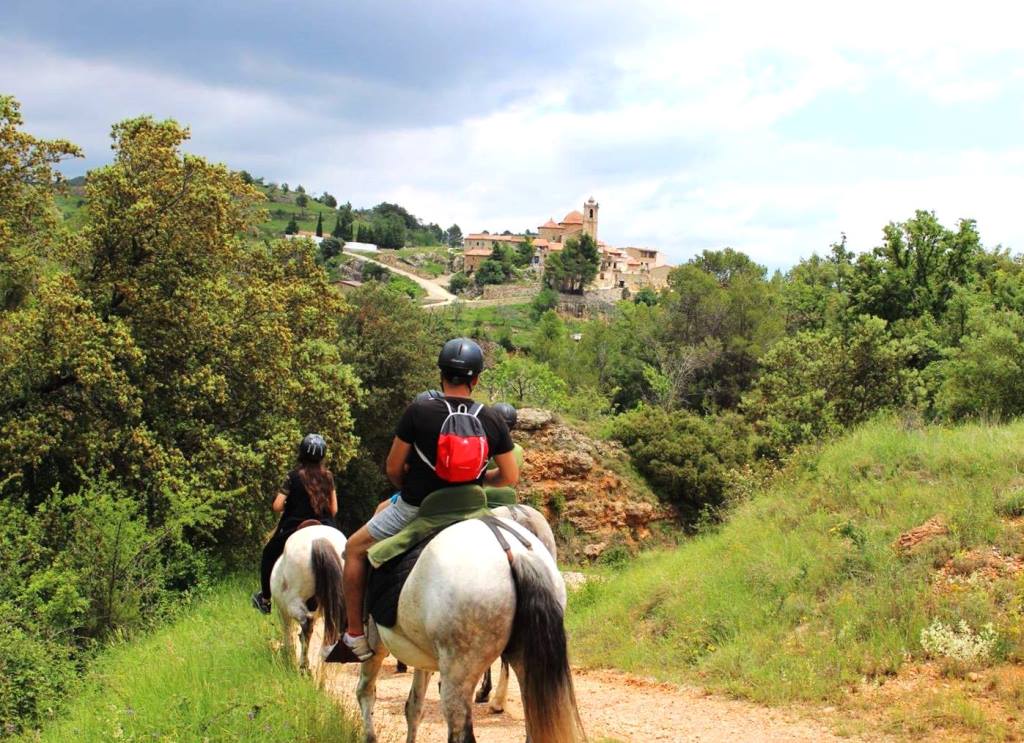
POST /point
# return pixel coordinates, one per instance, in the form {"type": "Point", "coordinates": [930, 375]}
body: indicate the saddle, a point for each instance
{"type": "Point", "coordinates": [387, 578]}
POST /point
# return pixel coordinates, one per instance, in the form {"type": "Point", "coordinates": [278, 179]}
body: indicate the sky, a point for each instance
{"type": "Point", "coordinates": [771, 128]}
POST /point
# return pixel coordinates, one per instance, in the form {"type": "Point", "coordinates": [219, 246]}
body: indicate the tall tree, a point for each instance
{"type": "Point", "coordinates": [320, 224]}
{"type": "Point", "coordinates": [454, 236]}
{"type": "Point", "coordinates": [575, 266]}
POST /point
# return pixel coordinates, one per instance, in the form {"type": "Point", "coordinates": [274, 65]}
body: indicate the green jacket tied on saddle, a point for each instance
{"type": "Point", "coordinates": [438, 510]}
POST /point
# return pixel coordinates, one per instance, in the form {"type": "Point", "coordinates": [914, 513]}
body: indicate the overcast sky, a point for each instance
{"type": "Point", "coordinates": [767, 127]}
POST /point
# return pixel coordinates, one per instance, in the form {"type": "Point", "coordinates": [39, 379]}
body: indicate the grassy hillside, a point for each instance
{"type": "Point", "coordinates": [802, 594]}
{"type": "Point", "coordinates": [209, 676]}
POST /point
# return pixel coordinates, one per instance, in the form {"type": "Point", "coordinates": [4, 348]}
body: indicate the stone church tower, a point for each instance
{"type": "Point", "coordinates": [590, 217]}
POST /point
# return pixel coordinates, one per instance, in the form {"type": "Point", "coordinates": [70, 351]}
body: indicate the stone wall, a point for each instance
{"type": "Point", "coordinates": [510, 291]}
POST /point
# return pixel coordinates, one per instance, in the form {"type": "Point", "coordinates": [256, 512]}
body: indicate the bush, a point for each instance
{"type": "Point", "coordinates": [546, 299]}
{"type": "Point", "coordinates": [685, 457]}
{"type": "Point", "coordinates": [490, 272]}
{"type": "Point", "coordinates": [985, 377]}
{"type": "Point", "coordinates": [458, 283]}
{"type": "Point", "coordinates": [330, 247]}
{"type": "Point", "coordinates": [523, 381]}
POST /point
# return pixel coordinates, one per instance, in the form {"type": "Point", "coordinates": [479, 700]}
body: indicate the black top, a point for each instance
{"type": "Point", "coordinates": [421, 424]}
{"type": "Point", "coordinates": [297, 508]}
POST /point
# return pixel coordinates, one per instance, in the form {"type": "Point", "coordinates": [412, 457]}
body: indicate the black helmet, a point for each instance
{"type": "Point", "coordinates": [461, 357]}
{"type": "Point", "coordinates": [508, 412]}
{"type": "Point", "coordinates": [312, 447]}
{"type": "Point", "coordinates": [428, 395]}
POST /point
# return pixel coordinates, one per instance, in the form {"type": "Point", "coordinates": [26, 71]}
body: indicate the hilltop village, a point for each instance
{"type": "Point", "coordinates": [630, 268]}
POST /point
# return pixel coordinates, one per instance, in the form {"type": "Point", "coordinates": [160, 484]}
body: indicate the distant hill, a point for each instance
{"type": "Point", "coordinates": [281, 207]}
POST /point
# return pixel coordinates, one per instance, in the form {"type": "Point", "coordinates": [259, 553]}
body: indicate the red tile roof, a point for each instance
{"type": "Point", "coordinates": [497, 238]}
{"type": "Point", "coordinates": [573, 217]}
{"type": "Point", "coordinates": [477, 251]}
{"type": "Point", "coordinates": [550, 223]}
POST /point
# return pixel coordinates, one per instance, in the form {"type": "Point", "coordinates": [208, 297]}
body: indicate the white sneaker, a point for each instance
{"type": "Point", "coordinates": [358, 645]}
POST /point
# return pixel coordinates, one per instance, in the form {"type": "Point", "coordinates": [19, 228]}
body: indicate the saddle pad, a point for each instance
{"type": "Point", "coordinates": [500, 497]}
{"type": "Point", "coordinates": [439, 509]}
{"type": "Point", "coordinates": [387, 581]}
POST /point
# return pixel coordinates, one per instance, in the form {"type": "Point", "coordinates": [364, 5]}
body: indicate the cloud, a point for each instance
{"type": "Point", "coordinates": [769, 128]}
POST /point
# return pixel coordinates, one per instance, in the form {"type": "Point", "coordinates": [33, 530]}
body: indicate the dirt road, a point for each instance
{"type": "Point", "coordinates": [614, 707]}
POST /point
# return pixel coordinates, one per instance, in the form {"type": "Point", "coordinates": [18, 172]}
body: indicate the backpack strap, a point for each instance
{"type": "Point", "coordinates": [420, 451]}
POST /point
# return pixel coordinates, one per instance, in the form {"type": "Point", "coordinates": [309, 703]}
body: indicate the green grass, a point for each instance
{"type": "Point", "coordinates": [800, 594]}
{"type": "Point", "coordinates": [211, 675]}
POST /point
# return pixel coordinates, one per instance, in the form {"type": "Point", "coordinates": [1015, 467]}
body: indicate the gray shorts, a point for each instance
{"type": "Point", "coordinates": [391, 520]}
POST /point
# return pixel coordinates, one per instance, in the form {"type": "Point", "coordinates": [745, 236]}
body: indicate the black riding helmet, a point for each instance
{"type": "Point", "coordinates": [428, 395]}
{"type": "Point", "coordinates": [508, 412]}
{"type": "Point", "coordinates": [461, 357]}
{"type": "Point", "coordinates": [312, 448]}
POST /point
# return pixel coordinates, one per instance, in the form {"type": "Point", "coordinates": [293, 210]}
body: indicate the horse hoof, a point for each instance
{"type": "Point", "coordinates": [496, 710]}
{"type": "Point", "coordinates": [481, 698]}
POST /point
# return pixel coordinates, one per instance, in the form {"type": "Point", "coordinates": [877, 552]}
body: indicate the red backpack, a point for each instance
{"type": "Point", "coordinates": [462, 450]}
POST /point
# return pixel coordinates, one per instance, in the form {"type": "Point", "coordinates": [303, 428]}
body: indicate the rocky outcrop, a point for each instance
{"type": "Point", "coordinates": [585, 487]}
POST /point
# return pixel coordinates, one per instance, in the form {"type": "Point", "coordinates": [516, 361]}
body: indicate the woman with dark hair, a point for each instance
{"type": "Point", "coordinates": [307, 494]}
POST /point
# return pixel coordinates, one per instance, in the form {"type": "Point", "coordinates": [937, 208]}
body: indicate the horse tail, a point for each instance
{"type": "Point", "coordinates": [538, 642]}
{"type": "Point", "coordinates": [327, 586]}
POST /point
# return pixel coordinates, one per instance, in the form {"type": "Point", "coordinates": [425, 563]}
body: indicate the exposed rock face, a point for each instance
{"type": "Point", "coordinates": [570, 477]}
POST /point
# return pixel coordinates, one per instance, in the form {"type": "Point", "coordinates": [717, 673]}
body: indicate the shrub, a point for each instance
{"type": "Point", "coordinates": [960, 647]}
{"type": "Point", "coordinates": [458, 283]}
{"type": "Point", "coordinates": [685, 457]}
{"type": "Point", "coordinates": [522, 381]}
{"type": "Point", "coordinates": [546, 299]}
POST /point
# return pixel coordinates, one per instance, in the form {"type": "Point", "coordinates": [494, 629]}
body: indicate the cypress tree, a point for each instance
{"type": "Point", "coordinates": [320, 224]}
{"type": "Point", "coordinates": [336, 232]}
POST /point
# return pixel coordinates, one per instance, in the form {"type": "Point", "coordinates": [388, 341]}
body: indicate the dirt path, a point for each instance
{"type": "Point", "coordinates": [436, 294]}
{"type": "Point", "coordinates": [614, 707]}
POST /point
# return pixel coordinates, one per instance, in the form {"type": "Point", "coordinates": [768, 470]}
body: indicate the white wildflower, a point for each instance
{"type": "Point", "coordinates": [960, 644]}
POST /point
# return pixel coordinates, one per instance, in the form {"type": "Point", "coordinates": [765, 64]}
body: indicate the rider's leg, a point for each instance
{"type": "Point", "coordinates": [354, 581]}
{"type": "Point", "coordinates": [273, 550]}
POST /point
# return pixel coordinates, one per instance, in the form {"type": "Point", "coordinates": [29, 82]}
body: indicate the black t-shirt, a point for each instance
{"type": "Point", "coordinates": [297, 508]}
{"type": "Point", "coordinates": [420, 425]}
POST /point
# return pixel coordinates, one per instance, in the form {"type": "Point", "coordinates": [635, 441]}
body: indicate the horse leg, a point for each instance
{"type": "Point", "coordinates": [305, 632]}
{"type": "Point", "coordinates": [501, 692]}
{"type": "Point", "coordinates": [366, 692]}
{"type": "Point", "coordinates": [456, 695]}
{"type": "Point", "coordinates": [289, 634]}
{"type": "Point", "coordinates": [485, 687]}
{"type": "Point", "coordinates": [414, 704]}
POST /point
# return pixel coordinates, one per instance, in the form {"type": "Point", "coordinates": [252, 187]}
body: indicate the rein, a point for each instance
{"type": "Point", "coordinates": [495, 525]}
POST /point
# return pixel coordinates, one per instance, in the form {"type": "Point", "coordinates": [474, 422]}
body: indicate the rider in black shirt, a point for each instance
{"type": "Point", "coordinates": [461, 361]}
{"type": "Point", "coordinates": [306, 494]}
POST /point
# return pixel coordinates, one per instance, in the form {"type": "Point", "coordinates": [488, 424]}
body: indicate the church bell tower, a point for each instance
{"type": "Point", "coordinates": [590, 217]}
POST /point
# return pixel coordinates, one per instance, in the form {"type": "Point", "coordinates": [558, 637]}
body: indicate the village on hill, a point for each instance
{"type": "Point", "coordinates": [631, 268]}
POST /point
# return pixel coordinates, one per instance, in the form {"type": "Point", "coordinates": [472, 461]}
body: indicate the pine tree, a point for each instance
{"type": "Point", "coordinates": [336, 232]}
{"type": "Point", "coordinates": [292, 228]}
{"type": "Point", "coordinates": [320, 224]}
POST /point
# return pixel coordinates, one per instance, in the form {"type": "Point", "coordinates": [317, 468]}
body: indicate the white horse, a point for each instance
{"type": "Point", "coordinates": [309, 568]}
{"type": "Point", "coordinates": [465, 603]}
{"type": "Point", "coordinates": [533, 520]}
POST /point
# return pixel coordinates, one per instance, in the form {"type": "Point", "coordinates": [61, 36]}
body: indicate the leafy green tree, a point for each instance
{"type": "Point", "coordinates": [328, 200]}
{"type": "Point", "coordinates": [550, 340]}
{"type": "Point", "coordinates": [302, 200]}
{"type": "Point", "coordinates": [292, 228]}
{"type": "Point", "coordinates": [522, 381]}
{"type": "Point", "coordinates": [490, 272]}
{"type": "Point", "coordinates": [330, 247]}
{"type": "Point", "coordinates": [390, 232]}
{"type": "Point", "coordinates": [319, 224]}
{"type": "Point", "coordinates": [284, 188]}
{"type": "Point", "coordinates": [458, 283]}
{"type": "Point", "coordinates": [299, 189]}
{"type": "Point", "coordinates": [393, 350]}
{"type": "Point", "coordinates": [546, 299]}
{"type": "Point", "coordinates": [343, 225]}
{"type": "Point", "coordinates": [453, 236]}
{"type": "Point", "coordinates": [917, 268]}
{"type": "Point", "coordinates": [647, 296]}
{"type": "Point", "coordinates": [817, 383]}
{"type": "Point", "coordinates": [985, 376]}
{"type": "Point", "coordinates": [524, 253]}
{"type": "Point", "coordinates": [575, 266]}
{"type": "Point", "coordinates": [720, 310]}
{"type": "Point", "coordinates": [685, 457]}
